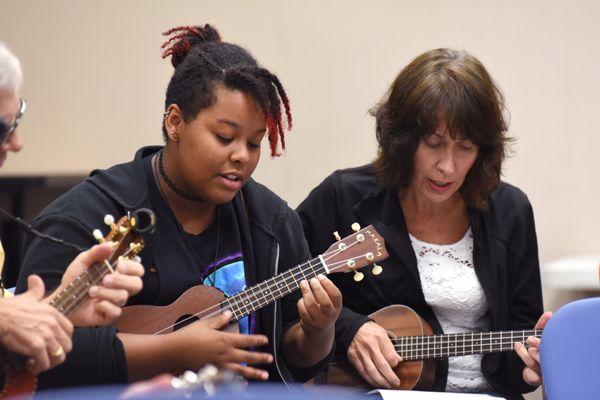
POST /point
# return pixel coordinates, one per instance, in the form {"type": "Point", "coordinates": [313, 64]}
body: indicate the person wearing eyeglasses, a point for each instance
{"type": "Point", "coordinates": [29, 325]}
{"type": "Point", "coordinates": [12, 109]}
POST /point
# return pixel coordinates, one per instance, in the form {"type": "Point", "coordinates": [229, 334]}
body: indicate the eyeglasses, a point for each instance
{"type": "Point", "coordinates": [7, 129]}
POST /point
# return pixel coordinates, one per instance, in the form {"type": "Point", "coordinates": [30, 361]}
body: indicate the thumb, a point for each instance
{"type": "Point", "coordinates": [543, 320]}
{"type": "Point", "coordinates": [219, 321]}
{"type": "Point", "coordinates": [35, 287]}
{"type": "Point", "coordinates": [99, 252]}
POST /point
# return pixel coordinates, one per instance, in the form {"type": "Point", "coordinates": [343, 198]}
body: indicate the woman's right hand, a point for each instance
{"type": "Point", "coordinates": [203, 342]}
{"type": "Point", "coordinates": [373, 355]}
{"type": "Point", "coordinates": [33, 329]}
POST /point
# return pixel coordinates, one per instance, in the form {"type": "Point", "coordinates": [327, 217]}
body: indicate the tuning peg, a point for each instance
{"type": "Point", "coordinates": [358, 276]}
{"type": "Point", "coordinates": [109, 220]}
{"type": "Point", "coordinates": [377, 269]}
{"type": "Point", "coordinates": [98, 235]}
{"type": "Point", "coordinates": [336, 235]}
{"type": "Point", "coordinates": [355, 227]}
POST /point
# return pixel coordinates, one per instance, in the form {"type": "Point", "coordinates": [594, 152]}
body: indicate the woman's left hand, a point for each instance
{"type": "Point", "coordinates": [106, 299]}
{"type": "Point", "coordinates": [532, 373]}
{"type": "Point", "coordinates": [320, 305]}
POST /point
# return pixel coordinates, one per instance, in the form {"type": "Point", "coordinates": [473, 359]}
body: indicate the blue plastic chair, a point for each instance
{"type": "Point", "coordinates": [570, 352]}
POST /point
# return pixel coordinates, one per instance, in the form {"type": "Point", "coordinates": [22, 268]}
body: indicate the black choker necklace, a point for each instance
{"type": "Point", "coordinates": [171, 185]}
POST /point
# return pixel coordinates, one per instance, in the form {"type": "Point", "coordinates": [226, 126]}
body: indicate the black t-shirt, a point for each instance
{"type": "Point", "coordinates": [217, 251]}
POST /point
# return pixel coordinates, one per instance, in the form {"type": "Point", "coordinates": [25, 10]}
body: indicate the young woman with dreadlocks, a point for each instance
{"type": "Point", "coordinates": [215, 226]}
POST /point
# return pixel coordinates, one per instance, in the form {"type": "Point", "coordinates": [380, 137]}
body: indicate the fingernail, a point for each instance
{"type": "Point", "coordinates": [313, 281]}
{"type": "Point", "coordinates": [108, 280]}
{"type": "Point", "coordinates": [321, 277]}
{"type": "Point", "coordinates": [227, 313]}
{"type": "Point", "coordinates": [265, 375]}
{"type": "Point", "coordinates": [123, 267]}
{"type": "Point", "coordinates": [93, 291]}
{"type": "Point", "coordinates": [304, 284]}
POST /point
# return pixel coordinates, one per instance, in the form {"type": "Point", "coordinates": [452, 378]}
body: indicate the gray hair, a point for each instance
{"type": "Point", "coordinates": [11, 74]}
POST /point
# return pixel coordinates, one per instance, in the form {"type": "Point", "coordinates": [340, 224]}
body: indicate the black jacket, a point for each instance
{"type": "Point", "coordinates": [272, 241]}
{"type": "Point", "coordinates": [505, 256]}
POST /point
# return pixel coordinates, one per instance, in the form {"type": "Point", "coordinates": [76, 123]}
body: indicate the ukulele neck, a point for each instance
{"type": "Point", "coordinates": [460, 344]}
{"type": "Point", "coordinates": [259, 296]}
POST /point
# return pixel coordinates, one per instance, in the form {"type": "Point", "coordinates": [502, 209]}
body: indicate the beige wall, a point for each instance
{"type": "Point", "coordinates": [95, 83]}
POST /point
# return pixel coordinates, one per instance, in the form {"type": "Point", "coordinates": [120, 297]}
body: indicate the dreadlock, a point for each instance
{"type": "Point", "coordinates": [202, 60]}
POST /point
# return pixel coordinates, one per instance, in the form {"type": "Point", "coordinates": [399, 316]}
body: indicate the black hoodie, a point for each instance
{"type": "Point", "coordinates": [505, 257]}
{"type": "Point", "coordinates": [272, 241]}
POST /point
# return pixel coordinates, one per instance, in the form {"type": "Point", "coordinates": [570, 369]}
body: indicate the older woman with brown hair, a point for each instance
{"type": "Point", "coordinates": [462, 244]}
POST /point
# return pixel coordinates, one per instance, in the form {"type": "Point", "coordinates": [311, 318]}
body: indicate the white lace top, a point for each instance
{"type": "Point", "coordinates": [453, 291]}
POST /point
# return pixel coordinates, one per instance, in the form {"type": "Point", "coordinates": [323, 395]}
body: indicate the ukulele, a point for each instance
{"type": "Point", "coordinates": [364, 247]}
{"type": "Point", "coordinates": [415, 342]}
{"type": "Point", "coordinates": [127, 243]}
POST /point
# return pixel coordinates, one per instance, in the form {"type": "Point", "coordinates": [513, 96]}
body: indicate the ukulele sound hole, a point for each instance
{"type": "Point", "coordinates": [184, 320]}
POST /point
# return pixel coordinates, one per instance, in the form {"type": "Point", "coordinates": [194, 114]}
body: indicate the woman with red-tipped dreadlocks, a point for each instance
{"type": "Point", "coordinates": [215, 226]}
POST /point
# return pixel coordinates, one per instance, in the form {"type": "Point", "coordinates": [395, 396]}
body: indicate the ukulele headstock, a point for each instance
{"type": "Point", "coordinates": [125, 234]}
{"type": "Point", "coordinates": [364, 247]}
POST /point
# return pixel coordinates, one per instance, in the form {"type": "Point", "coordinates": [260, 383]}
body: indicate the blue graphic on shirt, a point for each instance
{"type": "Point", "coordinates": [230, 279]}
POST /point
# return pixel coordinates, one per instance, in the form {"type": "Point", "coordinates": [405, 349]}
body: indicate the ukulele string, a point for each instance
{"type": "Point", "coordinates": [437, 339]}
{"type": "Point", "coordinates": [409, 355]}
{"type": "Point", "coordinates": [81, 288]}
{"type": "Point", "coordinates": [216, 309]}
{"type": "Point", "coordinates": [410, 350]}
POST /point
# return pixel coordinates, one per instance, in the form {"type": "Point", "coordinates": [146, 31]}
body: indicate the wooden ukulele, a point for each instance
{"type": "Point", "coordinates": [362, 248]}
{"type": "Point", "coordinates": [127, 243]}
{"type": "Point", "coordinates": [414, 340]}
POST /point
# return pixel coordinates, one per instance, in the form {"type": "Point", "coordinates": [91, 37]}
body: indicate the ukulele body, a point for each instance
{"type": "Point", "coordinates": [397, 320]}
{"type": "Point", "coordinates": [147, 319]}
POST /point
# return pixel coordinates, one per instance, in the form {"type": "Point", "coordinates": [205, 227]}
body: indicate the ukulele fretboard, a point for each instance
{"type": "Point", "coordinates": [460, 344]}
{"type": "Point", "coordinates": [258, 296]}
{"type": "Point", "coordinates": [73, 295]}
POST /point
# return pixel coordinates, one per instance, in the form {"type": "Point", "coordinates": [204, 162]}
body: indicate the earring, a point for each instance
{"type": "Point", "coordinates": [174, 136]}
